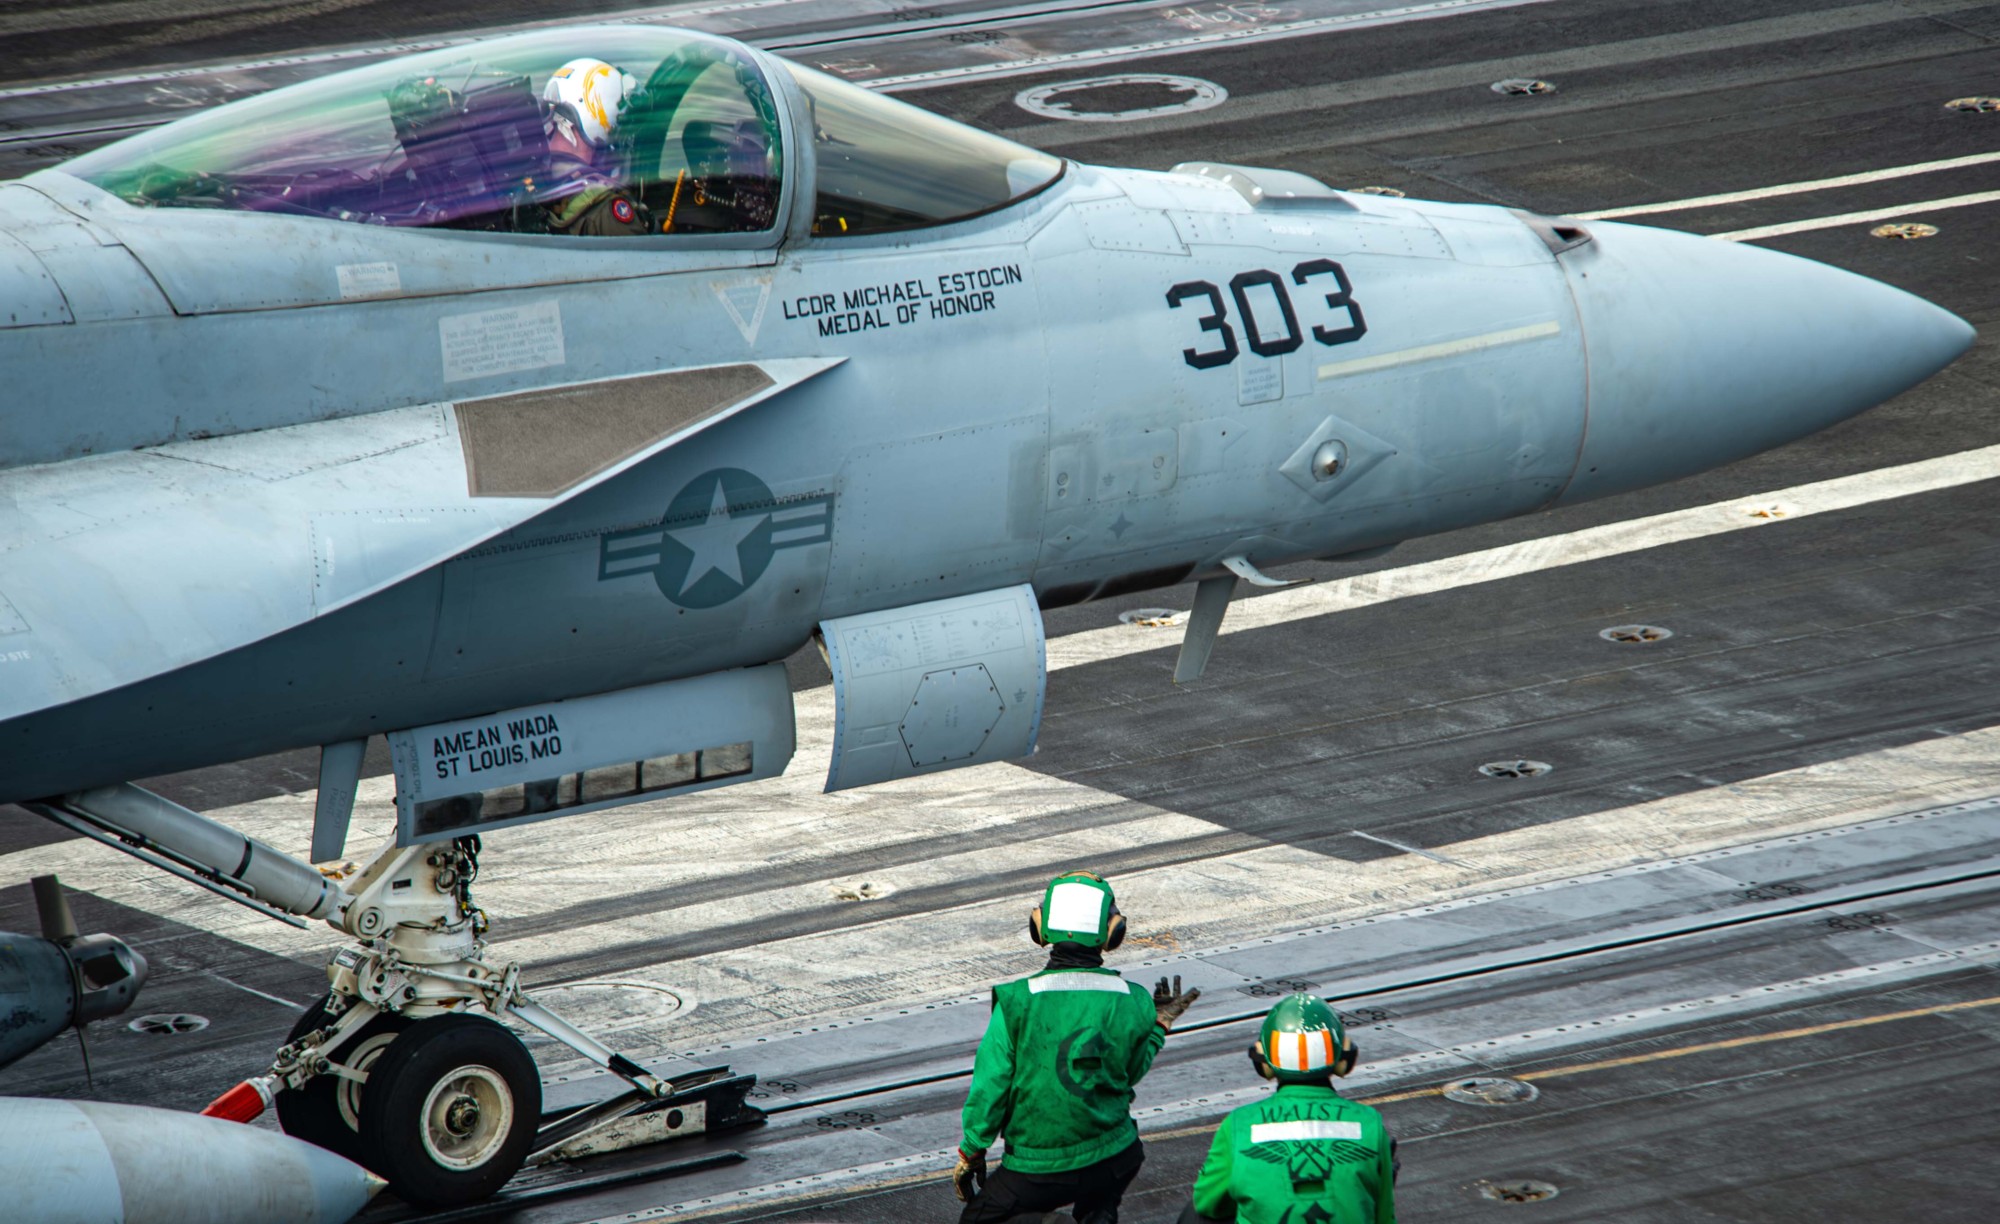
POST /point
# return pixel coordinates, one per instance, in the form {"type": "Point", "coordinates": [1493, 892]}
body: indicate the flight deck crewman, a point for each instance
{"type": "Point", "coordinates": [1303, 1153]}
{"type": "Point", "coordinates": [1056, 1068]}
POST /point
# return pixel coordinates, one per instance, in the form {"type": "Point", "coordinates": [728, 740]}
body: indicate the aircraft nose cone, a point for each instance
{"type": "Point", "coordinates": [1701, 352]}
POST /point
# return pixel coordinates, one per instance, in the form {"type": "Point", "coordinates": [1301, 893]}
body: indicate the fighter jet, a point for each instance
{"type": "Point", "coordinates": [529, 401]}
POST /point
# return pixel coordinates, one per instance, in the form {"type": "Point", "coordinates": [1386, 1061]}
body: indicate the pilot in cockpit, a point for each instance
{"type": "Point", "coordinates": [586, 191]}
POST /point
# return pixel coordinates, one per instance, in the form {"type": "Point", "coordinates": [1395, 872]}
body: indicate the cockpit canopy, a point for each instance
{"type": "Point", "coordinates": [477, 138]}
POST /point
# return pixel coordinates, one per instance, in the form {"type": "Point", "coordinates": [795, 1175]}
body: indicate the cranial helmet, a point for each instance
{"type": "Point", "coordinates": [593, 93]}
{"type": "Point", "coordinates": [1077, 907]}
{"type": "Point", "coordinates": [1302, 1042]}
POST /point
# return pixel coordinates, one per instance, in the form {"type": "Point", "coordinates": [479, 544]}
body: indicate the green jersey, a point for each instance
{"type": "Point", "coordinates": [1301, 1154]}
{"type": "Point", "coordinates": [1055, 1071]}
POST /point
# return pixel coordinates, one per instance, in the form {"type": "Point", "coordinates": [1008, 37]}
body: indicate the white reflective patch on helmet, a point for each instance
{"type": "Point", "coordinates": [1307, 1051]}
{"type": "Point", "coordinates": [595, 94]}
{"type": "Point", "coordinates": [1075, 907]}
{"type": "Point", "coordinates": [1293, 1132]}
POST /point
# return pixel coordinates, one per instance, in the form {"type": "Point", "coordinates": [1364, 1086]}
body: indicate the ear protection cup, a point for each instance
{"type": "Point", "coordinates": [1116, 935]}
{"type": "Point", "coordinates": [1258, 1063]}
{"type": "Point", "coordinates": [1035, 928]}
{"type": "Point", "coordinates": [1344, 1062]}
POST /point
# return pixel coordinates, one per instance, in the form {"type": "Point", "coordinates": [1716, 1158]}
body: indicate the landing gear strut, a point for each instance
{"type": "Point", "coordinates": [404, 1068]}
{"type": "Point", "coordinates": [327, 1109]}
{"type": "Point", "coordinates": [405, 1065]}
{"type": "Point", "coordinates": [397, 1067]}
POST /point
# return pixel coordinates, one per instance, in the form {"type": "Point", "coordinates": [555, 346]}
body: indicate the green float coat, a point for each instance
{"type": "Point", "coordinates": [1057, 1066]}
{"type": "Point", "coordinates": [1261, 1171]}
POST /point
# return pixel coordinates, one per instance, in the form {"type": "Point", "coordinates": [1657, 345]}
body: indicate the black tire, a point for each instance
{"type": "Point", "coordinates": [451, 1109]}
{"type": "Point", "coordinates": [315, 1112]}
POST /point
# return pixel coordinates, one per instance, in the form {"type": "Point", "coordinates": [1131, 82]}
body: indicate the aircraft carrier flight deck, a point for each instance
{"type": "Point", "coordinates": [1648, 846]}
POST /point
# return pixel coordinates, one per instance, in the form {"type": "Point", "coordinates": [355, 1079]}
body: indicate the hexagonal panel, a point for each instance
{"type": "Point", "coordinates": [951, 715]}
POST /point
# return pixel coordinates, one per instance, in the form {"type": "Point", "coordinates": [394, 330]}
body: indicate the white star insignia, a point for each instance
{"type": "Point", "coordinates": [715, 542]}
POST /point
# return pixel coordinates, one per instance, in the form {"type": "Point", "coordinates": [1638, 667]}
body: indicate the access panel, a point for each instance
{"type": "Point", "coordinates": [31, 298]}
{"type": "Point", "coordinates": [935, 686]}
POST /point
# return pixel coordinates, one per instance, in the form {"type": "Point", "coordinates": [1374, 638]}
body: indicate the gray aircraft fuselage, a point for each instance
{"type": "Point", "coordinates": [1065, 392]}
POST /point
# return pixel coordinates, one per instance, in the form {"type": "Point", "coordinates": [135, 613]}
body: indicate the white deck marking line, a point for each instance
{"type": "Point", "coordinates": [338, 54]}
{"type": "Point", "coordinates": [1033, 12]}
{"type": "Point", "coordinates": [1431, 352]}
{"type": "Point", "coordinates": [1856, 218]}
{"type": "Point", "coordinates": [1235, 35]}
{"type": "Point", "coordinates": [213, 976]}
{"type": "Point", "coordinates": [1549, 552]}
{"type": "Point", "coordinates": [280, 61]}
{"type": "Point", "coordinates": [1784, 189]}
{"type": "Point", "coordinates": [673, 15]}
{"type": "Point", "coordinates": [1405, 848]}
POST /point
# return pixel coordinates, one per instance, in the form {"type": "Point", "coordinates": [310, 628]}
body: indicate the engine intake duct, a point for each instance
{"type": "Point", "coordinates": [1560, 233]}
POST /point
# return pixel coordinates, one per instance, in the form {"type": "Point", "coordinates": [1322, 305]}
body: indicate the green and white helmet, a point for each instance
{"type": "Point", "coordinates": [1077, 907]}
{"type": "Point", "coordinates": [1303, 1041]}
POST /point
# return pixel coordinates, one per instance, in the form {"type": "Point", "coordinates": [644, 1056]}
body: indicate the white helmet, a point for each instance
{"type": "Point", "coordinates": [594, 92]}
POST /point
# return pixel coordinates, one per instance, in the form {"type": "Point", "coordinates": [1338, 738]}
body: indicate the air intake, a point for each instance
{"type": "Point", "coordinates": [1560, 233]}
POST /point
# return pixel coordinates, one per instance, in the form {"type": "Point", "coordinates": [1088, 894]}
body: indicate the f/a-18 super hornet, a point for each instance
{"type": "Point", "coordinates": [530, 401]}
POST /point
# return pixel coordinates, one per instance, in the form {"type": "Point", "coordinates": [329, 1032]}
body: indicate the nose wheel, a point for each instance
{"type": "Point", "coordinates": [466, 1118]}
{"type": "Point", "coordinates": [451, 1110]}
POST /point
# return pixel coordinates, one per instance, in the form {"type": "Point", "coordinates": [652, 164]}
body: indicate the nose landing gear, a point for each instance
{"type": "Point", "coordinates": [405, 1068]}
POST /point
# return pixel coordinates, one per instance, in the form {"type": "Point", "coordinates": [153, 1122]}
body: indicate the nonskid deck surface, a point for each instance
{"type": "Point", "coordinates": [1771, 1112]}
{"type": "Point", "coordinates": [1541, 923]}
{"type": "Point", "coordinates": [1575, 986]}
{"type": "Point", "coordinates": [113, 87]}
{"type": "Point", "coordinates": [1829, 668]}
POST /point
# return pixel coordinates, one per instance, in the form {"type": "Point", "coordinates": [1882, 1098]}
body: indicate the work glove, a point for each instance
{"type": "Point", "coordinates": [1169, 1001]}
{"type": "Point", "coordinates": [969, 1178]}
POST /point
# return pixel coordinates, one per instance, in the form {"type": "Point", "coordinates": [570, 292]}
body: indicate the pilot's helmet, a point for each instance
{"type": "Point", "coordinates": [592, 93]}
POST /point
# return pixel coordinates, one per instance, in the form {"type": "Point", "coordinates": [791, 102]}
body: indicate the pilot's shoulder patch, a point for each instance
{"type": "Point", "coordinates": [622, 209]}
